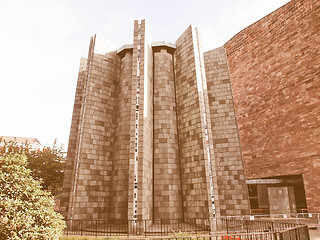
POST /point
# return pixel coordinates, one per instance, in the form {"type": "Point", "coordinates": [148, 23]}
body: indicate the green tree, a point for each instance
{"type": "Point", "coordinates": [26, 211]}
{"type": "Point", "coordinates": [46, 164]}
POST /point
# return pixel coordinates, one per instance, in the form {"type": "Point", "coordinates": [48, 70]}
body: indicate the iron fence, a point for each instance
{"type": "Point", "coordinates": [139, 227]}
{"type": "Point", "coordinates": [296, 233]}
{"type": "Point", "coordinates": [222, 226]}
{"type": "Point", "coordinates": [243, 224]}
{"type": "Point", "coordinates": [310, 219]}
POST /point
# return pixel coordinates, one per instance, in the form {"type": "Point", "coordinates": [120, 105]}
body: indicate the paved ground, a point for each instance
{"type": "Point", "coordinates": [314, 234]}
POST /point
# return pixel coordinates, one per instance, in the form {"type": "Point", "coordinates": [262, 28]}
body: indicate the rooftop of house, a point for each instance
{"type": "Point", "coordinates": [21, 140]}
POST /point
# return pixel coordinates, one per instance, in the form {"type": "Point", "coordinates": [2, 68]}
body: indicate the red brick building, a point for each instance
{"type": "Point", "coordinates": [274, 69]}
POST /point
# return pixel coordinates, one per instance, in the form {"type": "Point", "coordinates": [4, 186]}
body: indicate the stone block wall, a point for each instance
{"type": "Point", "coordinates": [147, 135]}
{"type": "Point", "coordinates": [167, 182]}
{"type": "Point", "coordinates": [92, 161]}
{"type": "Point", "coordinates": [120, 171]}
{"type": "Point", "coordinates": [98, 129]}
{"type": "Point", "coordinates": [233, 196]}
{"type": "Point", "coordinates": [274, 71]}
{"type": "Point", "coordinates": [192, 150]}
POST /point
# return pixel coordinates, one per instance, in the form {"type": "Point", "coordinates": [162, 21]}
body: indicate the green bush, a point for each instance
{"type": "Point", "coordinates": [26, 211]}
{"type": "Point", "coordinates": [46, 164]}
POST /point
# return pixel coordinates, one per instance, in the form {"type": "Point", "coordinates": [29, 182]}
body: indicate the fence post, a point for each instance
{"type": "Point", "coordinates": [67, 226]}
{"type": "Point", "coordinates": [307, 231]}
{"type": "Point", "coordinates": [145, 228]}
{"type": "Point", "coordinates": [227, 225]}
{"type": "Point", "coordinates": [80, 227]}
{"type": "Point", "coordinates": [161, 226]}
{"type": "Point", "coordinates": [96, 228]}
{"type": "Point", "coordinates": [296, 233]}
{"type": "Point", "coordinates": [280, 236]}
{"type": "Point", "coordinates": [246, 224]}
{"type": "Point", "coordinates": [128, 222]}
{"type": "Point", "coordinates": [274, 236]}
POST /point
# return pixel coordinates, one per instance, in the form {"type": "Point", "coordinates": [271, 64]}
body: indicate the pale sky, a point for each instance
{"type": "Point", "coordinates": [42, 42]}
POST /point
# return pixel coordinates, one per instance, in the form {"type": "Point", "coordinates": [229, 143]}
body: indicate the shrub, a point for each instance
{"type": "Point", "coordinates": [26, 211]}
{"type": "Point", "coordinates": [46, 164]}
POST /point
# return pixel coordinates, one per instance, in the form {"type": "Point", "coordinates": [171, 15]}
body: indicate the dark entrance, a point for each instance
{"type": "Point", "coordinates": [280, 194]}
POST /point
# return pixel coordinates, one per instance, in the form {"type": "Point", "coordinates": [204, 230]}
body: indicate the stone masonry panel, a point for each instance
{"type": "Point", "coordinates": [120, 172]}
{"type": "Point", "coordinates": [193, 174]}
{"type": "Point", "coordinates": [167, 182]}
{"type": "Point", "coordinates": [233, 196]}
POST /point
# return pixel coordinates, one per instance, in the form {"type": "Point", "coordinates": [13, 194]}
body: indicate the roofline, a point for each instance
{"type": "Point", "coordinates": [155, 45]}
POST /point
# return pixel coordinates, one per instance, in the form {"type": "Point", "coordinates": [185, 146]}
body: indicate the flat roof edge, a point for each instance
{"type": "Point", "coordinates": [164, 44]}
{"type": "Point", "coordinates": [125, 47]}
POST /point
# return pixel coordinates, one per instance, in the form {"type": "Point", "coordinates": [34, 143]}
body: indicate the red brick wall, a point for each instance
{"type": "Point", "coordinates": [274, 69]}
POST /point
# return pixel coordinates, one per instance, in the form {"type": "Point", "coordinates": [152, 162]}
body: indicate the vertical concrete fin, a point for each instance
{"type": "Point", "coordinates": [92, 162]}
{"type": "Point", "coordinates": [141, 133]}
{"type": "Point", "coordinates": [147, 145]}
{"type": "Point", "coordinates": [73, 140]}
{"type": "Point", "coordinates": [193, 152]}
{"type": "Point", "coordinates": [76, 161]}
{"type": "Point", "coordinates": [210, 166]}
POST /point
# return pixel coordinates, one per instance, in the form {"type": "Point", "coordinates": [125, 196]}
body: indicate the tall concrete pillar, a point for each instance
{"type": "Point", "coordinates": [167, 182]}
{"type": "Point", "coordinates": [119, 187]}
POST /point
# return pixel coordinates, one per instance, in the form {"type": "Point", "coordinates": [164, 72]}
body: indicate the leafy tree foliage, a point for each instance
{"type": "Point", "coordinates": [46, 164]}
{"type": "Point", "coordinates": [26, 211]}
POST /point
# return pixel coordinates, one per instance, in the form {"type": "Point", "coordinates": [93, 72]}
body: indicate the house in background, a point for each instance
{"type": "Point", "coordinates": [32, 142]}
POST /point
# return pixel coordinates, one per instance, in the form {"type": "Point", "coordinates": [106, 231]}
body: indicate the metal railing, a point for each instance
{"type": "Point", "coordinates": [222, 226]}
{"type": "Point", "coordinates": [244, 224]}
{"type": "Point", "coordinates": [310, 219]}
{"type": "Point", "coordinates": [297, 233]}
{"type": "Point", "coordinates": [139, 227]}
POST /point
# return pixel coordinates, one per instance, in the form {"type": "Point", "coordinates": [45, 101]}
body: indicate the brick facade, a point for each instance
{"type": "Point", "coordinates": [274, 70]}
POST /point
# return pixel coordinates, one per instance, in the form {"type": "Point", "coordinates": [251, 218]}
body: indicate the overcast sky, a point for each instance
{"type": "Point", "coordinates": [42, 42]}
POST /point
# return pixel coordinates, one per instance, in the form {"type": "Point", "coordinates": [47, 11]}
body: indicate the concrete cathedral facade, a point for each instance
{"type": "Point", "coordinates": [157, 127]}
{"type": "Point", "coordinates": [154, 134]}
